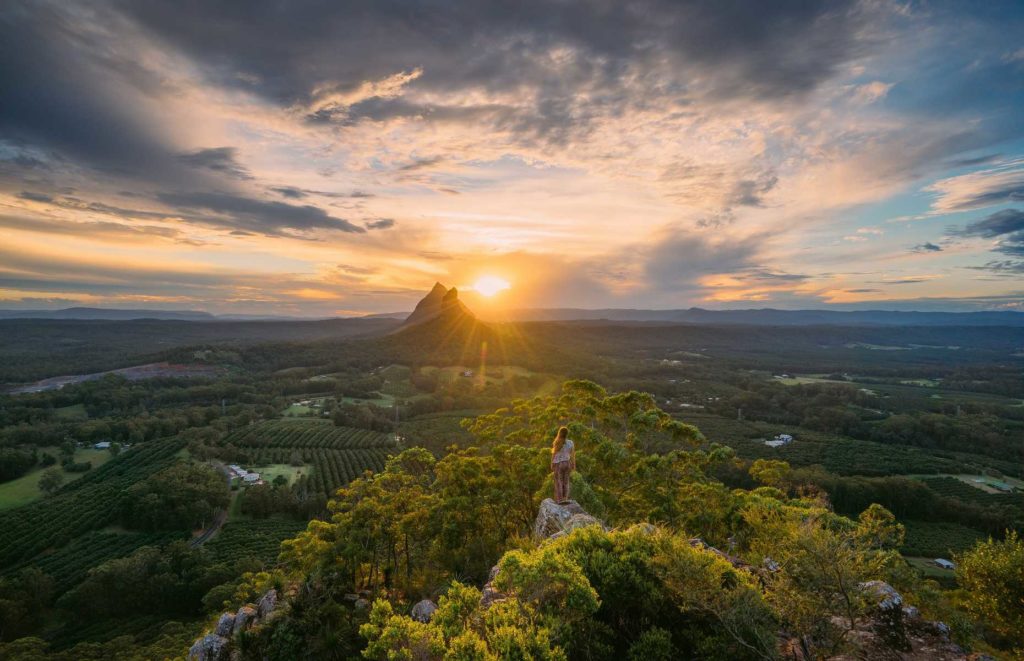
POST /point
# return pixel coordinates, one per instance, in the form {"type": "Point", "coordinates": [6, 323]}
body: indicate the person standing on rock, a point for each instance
{"type": "Point", "coordinates": [563, 463]}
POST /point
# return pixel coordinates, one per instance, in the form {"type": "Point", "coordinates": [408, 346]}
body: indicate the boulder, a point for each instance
{"type": "Point", "coordinates": [208, 648]}
{"type": "Point", "coordinates": [267, 603]}
{"type": "Point", "coordinates": [423, 611]}
{"type": "Point", "coordinates": [224, 625]}
{"type": "Point", "coordinates": [554, 518]}
{"type": "Point", "coordinates": [243, 618]}
{"type": "Point", "coordinates": [361, 604]}
{"type": "Point", "coordinates": [491, 594]}
{"type": "Point", "coordinates": [886, 612]}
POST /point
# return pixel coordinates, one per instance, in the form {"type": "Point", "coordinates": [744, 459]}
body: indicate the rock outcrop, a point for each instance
{"type": "Point", "coordinates": [890, 631]}
{"type": "Point", "coordinates": [208, 648]}
{"type": "Point", "coordinates": [423, 611]}
{"type": "Point", "coordinates": [556, 519]}
{"type": "Point", "coordinates": [216, 646]}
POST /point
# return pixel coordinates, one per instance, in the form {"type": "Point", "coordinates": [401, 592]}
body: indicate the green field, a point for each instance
{"type": "Point", "coordinates": [271, 471]}
{"type": "Point", "coordinates": [25, 489]}
{"type": "Point", "coordinates": [385, 400]}
{"type": "Point", "coordinates": [297, 411]}
{"type": "Point", "coordinates": [927, 568]}
{"type": "Point", "coordinates": [74, 412]}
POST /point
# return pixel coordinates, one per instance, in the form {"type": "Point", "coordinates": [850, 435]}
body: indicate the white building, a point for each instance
{"type": "Point", "coordinates": [251, 477]}
{"type": "Point", "coordinates": [102, 445]}
{"type": "Point", "coordinates": [945, 564]}
{"type": "Point", "coordinates": [779, 441]}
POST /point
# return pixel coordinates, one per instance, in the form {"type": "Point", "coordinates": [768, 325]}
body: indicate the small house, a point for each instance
{"type": "Point", "coordinates": [102, 445]}
{"type": "Point", "coordinates": [945, 564]}
{"type": "Point", "coordinates": [250, 478]}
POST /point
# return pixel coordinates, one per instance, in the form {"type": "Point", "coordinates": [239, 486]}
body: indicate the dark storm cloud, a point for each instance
{"type": "Point", "coordinates": [252, 215]}
{"type": "Point", "coordinates": [290, 192]}
{"type": "Point", "coordinates": [218, 159]}
{"type": "Point", "coordinates": [1012, 245]}
{"type": "Point", "coordinates": [293, 193]}
{"type": "Point", "coordinates": [773, 276]}
{"type": "Point", "coordinates": [35, 197]}
{"type": "Point", "coordinates": [927, 246]}
{"type": "Point", "coordinates": [286, 55]}
{"type": "Point", "coordinates": [750, 192]}
{"type": "Point", "coordinates": [975, 160]}
{"type": "Point", "coordinates": [64, 89]}
{"type": "Point", "coordinates": [1006, 267]}
{"type": "Point", "coordinates": [996, 224]}
{"type": "Point", "coordinates": [380, 224]}
{"type": "Point", "coordinates": [680, 259]}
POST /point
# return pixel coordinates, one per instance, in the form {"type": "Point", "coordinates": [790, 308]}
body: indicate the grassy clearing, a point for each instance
{"type": "Point", "coordinates": [74, 412]}
{"type": "Point", "coordinates": [385, 400]}
{"type": "Point", "coordinates": [291, 473]}
{"type": "Point", "coordinates": [297, 411]}
{"type": "Point", "coordinates": [25, 489]}
{"type": "Point", "coordinates": [927, 568]}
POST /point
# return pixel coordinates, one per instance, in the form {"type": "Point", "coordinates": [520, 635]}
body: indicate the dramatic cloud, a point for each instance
{"type": "Point", "coordinates": [657, 153]}
{"type": "Point", "coordinates": [218, 159]}
{"type": "Point", "coordinates": [997, 224]}
{"type": "Point", "coordinates": [254, 215]}
{"type": "Point", "coordinates": [980, 189]}
{"type": "Point", "coordinates": [380, 224]}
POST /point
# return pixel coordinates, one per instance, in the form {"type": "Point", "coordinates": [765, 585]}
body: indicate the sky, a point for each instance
{"type": "Point", "coordinates": [327, 157]}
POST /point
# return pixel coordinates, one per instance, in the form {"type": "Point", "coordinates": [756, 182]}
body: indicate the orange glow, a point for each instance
{"type": "Point", "coordinates": [489, 285]}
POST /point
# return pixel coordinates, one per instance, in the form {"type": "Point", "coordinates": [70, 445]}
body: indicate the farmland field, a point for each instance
{"type": "Point", "coordinates": [337, 454]}
{"type": "Point", "coordinates": [938, 539]}
{"type": "Point", "coordinates": [256, 538]}
{"type": "Point", "coordinates": [25, 489]}
{"type": "Point", "coordinates": [269, 471]}
{"type": "Point", "coordinates": [79, 507]}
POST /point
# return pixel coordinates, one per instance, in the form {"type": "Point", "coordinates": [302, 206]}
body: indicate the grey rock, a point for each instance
{"type": "Point", "coordinates": [423, 611]}
{"type": "Point", "coordinates": [361, 604]}
{"type": "Point", "coordinates": [887, 618]}
{"type": "Point", "coordinates": [554, 518]}
{"type": "Point", "coordinates": [491, 594]}
{"type": "Point", "coordinates": [911, 613]}
{"type": "Point", "coordinates": [208, 648]}
{"type": "Point", "coordinates": [224, 625]}
{"type": "Point", "coordinates": [267, 603]}
{"type": "Point", "coordinates": [245, 616]}
{"type": "Point", "coordinates": [882, 594]}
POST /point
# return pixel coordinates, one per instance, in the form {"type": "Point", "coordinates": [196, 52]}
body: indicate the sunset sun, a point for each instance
{"type": "Point", "coordinates": [490, 285]}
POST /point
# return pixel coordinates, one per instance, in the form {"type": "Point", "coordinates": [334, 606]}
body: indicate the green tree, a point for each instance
{"type": "Point", "coordinates": [51, 480]}
{"type": "Point", "coordinates": [182, 496]}
{"type": "Point", "coordinates": [992, 576]}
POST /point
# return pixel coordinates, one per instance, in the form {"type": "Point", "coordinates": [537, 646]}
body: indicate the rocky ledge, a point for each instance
{"type": "Point", "coordinates": [217, 646]}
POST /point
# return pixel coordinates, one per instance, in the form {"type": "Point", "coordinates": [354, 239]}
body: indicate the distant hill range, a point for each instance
{"type": "Point", "coordinates": [772, 317]}
{"type": "Point", "coordinates": [441, 301]}
{"type": "Point", "coordinates": [118, 314]}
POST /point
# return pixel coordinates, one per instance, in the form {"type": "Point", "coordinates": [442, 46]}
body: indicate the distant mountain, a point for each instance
{"type": "Point", "coordinates": [120, 314]}
{"type": "Point", "coordinates": [772, 317]}
{"type": "Point", "coordinates": [107, 314]}
{"type": "Point", "coordinates": [439, 302]}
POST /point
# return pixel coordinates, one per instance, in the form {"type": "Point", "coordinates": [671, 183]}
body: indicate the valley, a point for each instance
{"type": "Point", "coordinates": [938, 442]}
